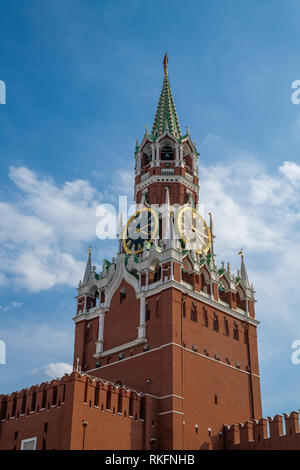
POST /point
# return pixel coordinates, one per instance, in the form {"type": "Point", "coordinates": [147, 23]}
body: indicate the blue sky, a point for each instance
{"type": "Point", "coordinates": [83, 78]}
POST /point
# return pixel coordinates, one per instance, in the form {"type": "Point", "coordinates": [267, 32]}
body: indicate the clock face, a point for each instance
{"type": "Point", "coordinates": [193, 230]}
{"type": "Point", "coordinates": [142, 227]}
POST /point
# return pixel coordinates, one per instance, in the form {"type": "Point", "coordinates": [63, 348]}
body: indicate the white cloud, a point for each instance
{"type": "Point", "coordinates": [259, 211]}
{"type": "Point", "coordinates": [35, 345]}
{"type": "Point", "coordinates": [251, 208]}
{"type": "Point", "coordinates": [43, 231]}
{"type": "Point", "coordinates": [13, 304]}
{"type": "Point", "coordinates": [291, 171]}
{"type": "Point", "coordinates": [54, 370]}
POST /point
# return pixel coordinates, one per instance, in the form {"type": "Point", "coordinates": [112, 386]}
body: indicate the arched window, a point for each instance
{"type": "Point", "coordinates": [88, 333]}
{"type": "Point", "coordinates": [203, 283]}
{"type": "Point", "coordinates": [239, 302]}
{"type": "Point", "coordinates": [215, 322]}
{"type": "Point", "coordinates": [205, 317]}
{"type": "Point", "coordinates": [194, 313]}
{"type": "Point", "coordinates": [157, 315]}
{"type": "Point", "coordinates": [236, 331]}
{"type": "Point", "coordinates": [226, 327]}
{"type": "Point", "coordinates": [157, 274]}
{"type": "Point", "coordinates": [167, 153]}
{"type": "Point", "coordinates": [122, 294]}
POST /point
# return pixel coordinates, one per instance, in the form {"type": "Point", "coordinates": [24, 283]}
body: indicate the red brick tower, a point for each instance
{"type": "Point", "coordinates": [164, 319]}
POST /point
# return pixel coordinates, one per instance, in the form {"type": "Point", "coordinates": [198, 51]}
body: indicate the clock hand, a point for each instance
{"type": "Point", "coordinates": [145, 226]}
{"type": "Point", "coordinates": [142, 231]}
{"type": "Point", "coordinates": [202, 235]}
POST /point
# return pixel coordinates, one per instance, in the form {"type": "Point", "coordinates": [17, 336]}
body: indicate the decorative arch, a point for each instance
{"type": "Point", "coordinates": [146, 155]}
{"type": "Point", "coordinates": [240, 297]}
{"type": "Point", "coordinates": [204, 280]}
{"type": "Point", "coordinates": [188, 264]}
{"type": "Point", "coordinates": [166, 136]}
{"type": "Point", "coordinates": [120, 274]}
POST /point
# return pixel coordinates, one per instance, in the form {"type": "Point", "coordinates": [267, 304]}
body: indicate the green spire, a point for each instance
{"type": "Point", "coordinates": [166, 116]}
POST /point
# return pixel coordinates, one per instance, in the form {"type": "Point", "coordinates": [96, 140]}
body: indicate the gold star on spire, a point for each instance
{"type": "Point", "coordinates": [166, 63]}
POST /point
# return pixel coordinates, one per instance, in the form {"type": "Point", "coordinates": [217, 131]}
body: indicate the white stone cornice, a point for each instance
{"type": "Point", "coordinates": [166, 179]}
{"type": "Point", "coordinates": [93, 313]}
{"type": "Point", "coordinates": [151, 351]}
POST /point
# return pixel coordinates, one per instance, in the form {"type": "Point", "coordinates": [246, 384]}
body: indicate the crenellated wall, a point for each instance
{"type": "Point", "coordinates": [55, 414]}
{"type": "Point", "coordinates": [265, 434]}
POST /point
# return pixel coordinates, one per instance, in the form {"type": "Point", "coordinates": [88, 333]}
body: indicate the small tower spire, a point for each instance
{"type": "Point", "coordinates": [243, 271]}
{"type": "Point", "coordinates": [88, 268]}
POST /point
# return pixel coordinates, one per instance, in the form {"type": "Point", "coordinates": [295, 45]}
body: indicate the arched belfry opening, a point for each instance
{"type": "Point", "coordinates": [167, 153]}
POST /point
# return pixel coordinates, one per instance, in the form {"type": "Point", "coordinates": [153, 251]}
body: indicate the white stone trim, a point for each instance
{"type": "Point", "coordinates": [130, 344]}
{"type": "Point", "coordinates": [131, 357]}
{"type": "Point", "coordinates": [99, 342]}
{"type": "Point", "coordinates": [166, 179]}
{"type": "Point", "coordinates": [162, 398]}
{"type": "Point", "coordinates": [171, 411]}
{"type": "Point", "coordinates": [179, 346]}
{"type": "Point", "coordinates": [142, 325]}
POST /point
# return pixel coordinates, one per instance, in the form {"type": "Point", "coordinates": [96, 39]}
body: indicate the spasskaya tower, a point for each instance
{"type": "Point", "coordinates": [163, 318]}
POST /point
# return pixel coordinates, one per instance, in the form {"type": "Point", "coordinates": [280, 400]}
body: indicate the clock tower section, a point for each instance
{"type": "Point", "coordinates": [169, 322]}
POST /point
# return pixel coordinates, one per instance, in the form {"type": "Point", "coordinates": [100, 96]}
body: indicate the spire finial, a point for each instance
{"type": "Point", "coordinates": [89, 249]}
{"type": "Point", "coordinates": [166, 63]}
{"type": "Point", "coordinates": [243, 271]}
